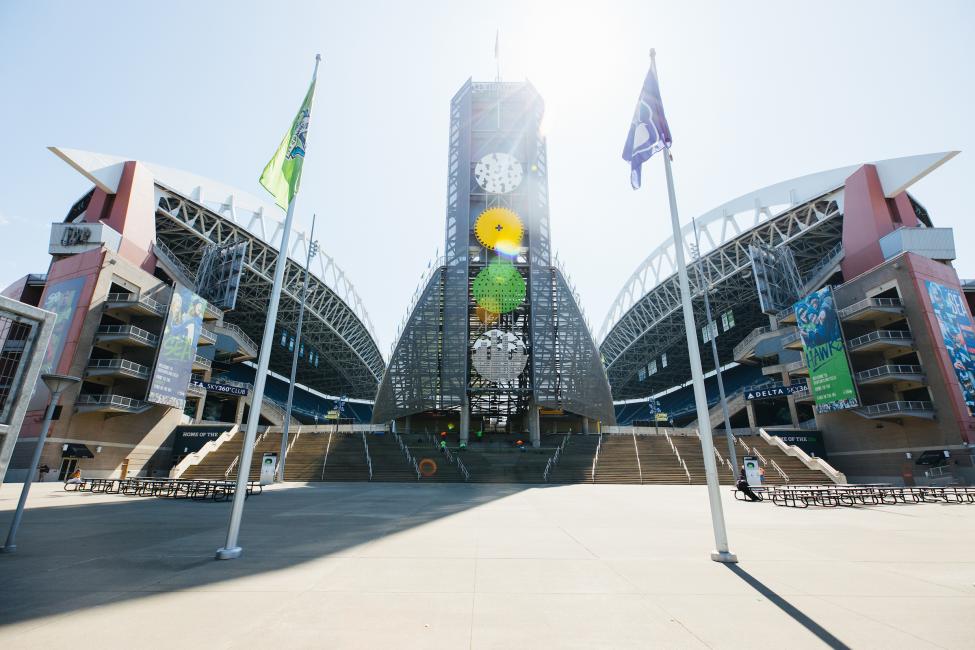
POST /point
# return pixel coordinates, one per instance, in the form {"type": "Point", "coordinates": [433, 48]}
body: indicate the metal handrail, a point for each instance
{"type": "Point", "coordinates": [110, 400]}
{"type": "Point", "coordinates": [686, 471]}
{"type": "Point", "coordinates": [230, 327]}
{"type": "Point", "coordinates": [890, 369]}
{"type": "Point", "coordinates": [328, 445]}
{"type": "Point", "coordinates": [203, 361]}
{"type": "Point", "coordinates": [131, 298]}
{"type": "Point", "coordinates": [760, 456]}
{"type": "Point", "coordinates": [174, 259]}
{"type": "Point", "coordinates": [208, 333]}
{"type": "Point", "coordinates": [595, 459]}
{"type": "Point", "coordinates": [869, 302]}
{"type": "Point", "coordinates": [748, 340]}
{"type": "Point", "coordinates": [129, 330]}
{"type": "Point", "coordinates": [876, 335]}
{"type": "Point", "coordinates": [365, 444]}
{"type": "Point", "coordinates": [778, 469]}
{"type": "Point", "coordinates": [636, 452]}
{"type": "Point", "coordinates": [232, 465]}
{"type": "Point", "coordinates": [121, 364]}
{"type": "Point", "coordinates": [825, 262]}
{"type": "Point", "coordinates": [898, 405]}
{"type": "Point", "coordinates": [463, 469]}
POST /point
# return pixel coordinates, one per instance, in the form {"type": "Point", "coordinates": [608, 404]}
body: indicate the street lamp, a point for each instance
{"type": "Point", "coordinates": [57, 384]}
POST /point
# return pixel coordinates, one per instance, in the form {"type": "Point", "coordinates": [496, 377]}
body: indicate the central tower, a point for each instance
{"type": "Point", "coordinates": [510, 338]}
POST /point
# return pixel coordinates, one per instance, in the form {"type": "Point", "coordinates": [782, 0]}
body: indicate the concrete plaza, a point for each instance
{"type": "Point", "coordinates": [368, 565]}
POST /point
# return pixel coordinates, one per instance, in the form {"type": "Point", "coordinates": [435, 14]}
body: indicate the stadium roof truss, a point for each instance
{"type": "Point", "coordinates": [654, 324]}
{"type": "Point", "coordinates": [350, 361]}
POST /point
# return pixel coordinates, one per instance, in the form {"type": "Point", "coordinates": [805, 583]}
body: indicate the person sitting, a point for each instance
{"type": "Point", "coordinates": [75, 478]}
{"type": "Point", "coordinates": [745, 488]}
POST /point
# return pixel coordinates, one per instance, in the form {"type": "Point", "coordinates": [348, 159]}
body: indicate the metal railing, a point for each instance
{"type": "Point", "coordinates": [879, 335]}
{"type": "Point", "coordinates": [328, 445]}
{"type": "Point", "coordinates": [132, 299]}
{"type": "Point", "coordinates": [790, 338]}
{"type": "Point", "coordinates": [233, 464]}
{"type": "Point", "coordinates": [365, 444]}
{"type": "Point", "coordinates": [890, 369]}
{"type": "Point", "coordinates": [749, 340]}
{"type": "Point", "coordinates": [756, 452]}
{"type": "Point", "coordinates": [866, 303]}
{"type": "Point", "coordinates": [554, 459]}
{"type": "Point", "coordinates": [409, 456]}
{"type": "Point", "coordinates": [130, 331]}
{"type": "Point", "coordinates": [595, 459]}
{"type": "Point", "coordinates": [122, 365]}
{"type": "Point", "coordinates": [828, 260]}
{"type": "Point", "coordinates": [208, 334]}
{"type": "Point", "coordinates": [463, 469]}
{"type": "Point", "coordinates": [174, 259]}
{"type": "Point", "coordinates": [202, 361]}
{"type": "Point", "coordinates": [636, 452]}
{"type": "Point", "coordinates": [897, 406]}
{"type": "Point", "coordinates": [234, 330]}
{"type": "Point", "coordinates": [115, 401]}
{"type": "Point", "coordinates": [775, 465]}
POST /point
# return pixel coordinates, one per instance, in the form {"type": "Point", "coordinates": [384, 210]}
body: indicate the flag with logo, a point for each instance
{"type": "Point", "coordinates": [649, 132]}
{"type": "Point", "coordinates": [282, 175]}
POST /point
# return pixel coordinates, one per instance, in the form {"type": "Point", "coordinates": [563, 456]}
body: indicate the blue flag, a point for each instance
{"type": "Point", "coordinates": [649, 132]}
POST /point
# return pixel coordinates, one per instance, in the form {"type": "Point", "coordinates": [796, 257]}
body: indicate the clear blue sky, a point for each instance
{"type": "Point", "coordinates": [755, 92]}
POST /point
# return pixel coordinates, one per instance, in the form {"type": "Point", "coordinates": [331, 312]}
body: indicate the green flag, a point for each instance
{"type": "Point", "coordinates": [282, 175]}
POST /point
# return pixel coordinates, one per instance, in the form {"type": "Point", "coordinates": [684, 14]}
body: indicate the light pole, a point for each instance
{"type": "Point", "coordinates": [312, 251]}
{"type": "Point", "coordinates": [57, 384]}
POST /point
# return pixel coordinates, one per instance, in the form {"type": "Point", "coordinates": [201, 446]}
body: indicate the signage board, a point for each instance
{"type": "Point", "coordinates": [224, 389]}
{"type": "Point", "coordinates": [61, 298]}
{"type": "Point", "coordinates": [957, 335]}
{"type": "Point", "coordinates": [780, 390]}
{"type": "Point", "coordinates": [661, 417]}
{"type": "Point", "coordinates": [177, 348]}
{"type": "Point", "coordinates": [752, 472]}
{"type": "Point", "coordinates": [269, 465]}
{"type": "Point", "coordinates": [822, 340]}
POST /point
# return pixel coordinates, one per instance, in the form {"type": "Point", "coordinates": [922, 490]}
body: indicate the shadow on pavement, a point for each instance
{"type": "Point", "coordinates": [795, 613]}
{"type": "Point", "coordinates": [79, 556]}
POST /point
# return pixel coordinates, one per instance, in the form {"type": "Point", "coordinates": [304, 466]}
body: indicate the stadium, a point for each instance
{"type": "Point", "coordinates": [495, 375]}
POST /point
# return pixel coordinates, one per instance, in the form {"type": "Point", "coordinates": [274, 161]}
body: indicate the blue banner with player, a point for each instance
{"type": "Point", "coordinates": [830, 378]}
{"type": "Point", "coordinates": [957, 334]}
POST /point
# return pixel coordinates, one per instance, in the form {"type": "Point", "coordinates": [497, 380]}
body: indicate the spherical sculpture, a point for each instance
{"type": "Point", "coordinates": [499, 287]}
{"type": "Point", "coordinates": [499, 356]}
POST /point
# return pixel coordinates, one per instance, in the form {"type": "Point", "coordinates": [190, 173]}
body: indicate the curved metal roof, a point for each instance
{"type": "Point", "coordinates": [731, 219]}
{"type": "Point", "coordinates": [258, 217]}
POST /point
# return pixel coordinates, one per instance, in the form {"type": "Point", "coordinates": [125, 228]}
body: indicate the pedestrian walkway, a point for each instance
{"type": "Point", "coordinates": [412, 565]}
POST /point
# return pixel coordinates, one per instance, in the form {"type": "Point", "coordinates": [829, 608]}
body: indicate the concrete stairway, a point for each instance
{"type": "Point", "coordinates": [346, 460]}
{"type": "Point", "coordinates": [575, 462]}
{"type": "Point", "coordinates": [214, 465]}
{"type": "Point", "coordinates": [658, 461]}
{"type": "Point", "coordinates": [388, 460]}
{"type": "Point", "coordinates": [689, 448]}
{"type": "Point", "coordinates": [794, 468]}
{"type": "Point", "coordinates": [617, 461]}
{"type": "Point", "coordinates": [306, 457]}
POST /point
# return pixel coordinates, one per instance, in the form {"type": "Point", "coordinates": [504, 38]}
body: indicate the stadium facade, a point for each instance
{"type": "Point", "coordinates": [780, 264]}
{"type": "Point", "coordinates": [157, 360]}
{"type": "Point", "coordinates": [496, 339]}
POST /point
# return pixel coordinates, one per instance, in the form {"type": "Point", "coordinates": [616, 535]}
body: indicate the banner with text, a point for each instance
{"type": "Point", "coordinates": [958, 336]}
{"type": "Point", "coordinates": [177, 348]}
{"type": "Point", "coordinates": [822, 339]}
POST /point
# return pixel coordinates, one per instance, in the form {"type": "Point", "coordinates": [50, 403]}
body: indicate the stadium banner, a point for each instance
{"type": "Point", "coordinates": [177, 348]}
{"type": "Point", "coordinates": [822, 339]}
{"type": "Point", "coordinates": [780, 390]}
{"type": "Point", "coordinates": [61, 298]}
{"type": "Point", "coordinates": [957, 334]}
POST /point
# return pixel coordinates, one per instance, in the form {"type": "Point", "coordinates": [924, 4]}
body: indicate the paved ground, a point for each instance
{"type": "Point", "coordinates": [457, 566]}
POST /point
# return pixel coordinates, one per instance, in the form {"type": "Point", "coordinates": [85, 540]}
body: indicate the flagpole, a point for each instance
{"type": "Point", "coordinates": [312, 246]}
{"type": "Point", "coordinates": [721, 553]}
{"type": "Point", "coordinates": [230, 550]}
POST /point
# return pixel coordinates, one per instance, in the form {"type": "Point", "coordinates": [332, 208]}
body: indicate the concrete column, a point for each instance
{"type": "Point", "coordinates": [750, 410]}
{"type": "Point", "coordinates": [406, 425]}
{"type": "Point", "coordinates": [239, 415]}
{"type": "Point", "coordinates": [465, 421]}
{"type": "Point", "coordinates": [534, 427]}
{"type": "Point", "coordinates": [585, 425]}
{"type": "Point", "coordinates": [200, 403]}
